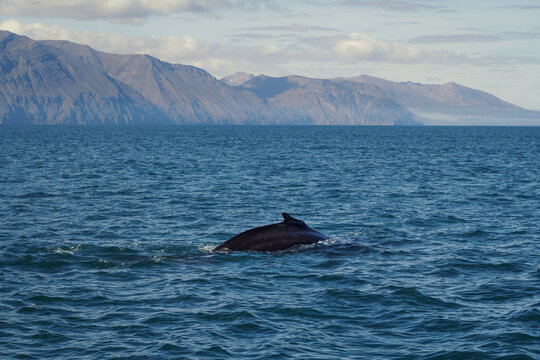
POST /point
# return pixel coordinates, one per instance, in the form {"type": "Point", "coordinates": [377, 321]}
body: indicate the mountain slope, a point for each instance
{"type": "Point", "coordinates": [59, 82]}
{"type": "Point", "coordinates": [237, 79]}
{"type": "Point", "coordinates": [185, 94]}
{"type": "Point", "coordinates": [44, 85]}
{"type": "Point", "coordinates": [320, 102]}
{"type": "Point", "coordinates": [449, 97]}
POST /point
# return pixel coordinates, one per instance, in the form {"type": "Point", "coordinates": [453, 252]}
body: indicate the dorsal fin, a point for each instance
{"type": "Point", "coordinates": [289, 220]}
{"type": "Point", "coordinates": [287, 217]}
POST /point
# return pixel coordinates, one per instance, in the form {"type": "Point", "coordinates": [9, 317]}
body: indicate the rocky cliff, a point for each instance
{"type": "Point", "coordinates": [40, 84]}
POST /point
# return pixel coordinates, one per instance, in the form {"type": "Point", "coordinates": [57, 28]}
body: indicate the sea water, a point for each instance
{"type": "Point", "coordinates": [106, 236]}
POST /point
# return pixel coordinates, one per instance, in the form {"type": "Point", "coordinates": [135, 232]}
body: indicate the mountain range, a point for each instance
{"type": "Point", "coordinates": [60, 82]}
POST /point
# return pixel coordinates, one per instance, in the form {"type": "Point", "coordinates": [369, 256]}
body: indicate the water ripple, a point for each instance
{"type": "Point", "coordinates": [107, 234]}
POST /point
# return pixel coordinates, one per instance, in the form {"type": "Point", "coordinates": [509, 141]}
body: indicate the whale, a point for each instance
{"type": "Point", "coordinates": [275, 237]}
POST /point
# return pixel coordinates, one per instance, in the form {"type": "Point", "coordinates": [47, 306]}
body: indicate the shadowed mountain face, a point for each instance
{"type": "Point", "coordinates": [40, 84]}
{"type": "Point", "coordinates": [184, 94]}
{"type": "Point", "coordinates": [58, 82]}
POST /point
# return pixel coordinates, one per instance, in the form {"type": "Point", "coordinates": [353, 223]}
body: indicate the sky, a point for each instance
{"type": "Point", "coordinates": [492, 46]}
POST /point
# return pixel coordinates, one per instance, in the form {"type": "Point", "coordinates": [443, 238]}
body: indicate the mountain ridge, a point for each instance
{"type": "Point", "coordinates": [420, 96]}
{"type": "Point", "coordinates": [449, 96]}
{"type": "Point", "coordinates": [60, 82]}
{"type": "Point", "coordinates": [359, 104]}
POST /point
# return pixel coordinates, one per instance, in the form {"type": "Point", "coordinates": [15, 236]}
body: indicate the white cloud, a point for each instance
{"type": "Point", "coordinates": [36, 31]}
{"type": "Point", "coordinates": [361, 47]}
{"type": "Point", "coordinates": [271, 49]}
{"type": "Point", "coordinates": [294, 28]}
{"type": "Point", "coordinates": [224, 58]}
{"type": "Point", "coordinates": [126, 10]}
{"type": "Point", "coordinates": [219, 59]}
{"type": "Point", "coordinates": [106, 9]}
{"type": "Point", "coordinates": [169, 48]}
{"type": "Point", "coordinates": [479, 38]}
{"type": "Point", "coordinates": [395, 5]}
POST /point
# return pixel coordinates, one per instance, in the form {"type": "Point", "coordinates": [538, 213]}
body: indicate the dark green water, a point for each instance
{"type": "Point", "coordinates": [106, 236]}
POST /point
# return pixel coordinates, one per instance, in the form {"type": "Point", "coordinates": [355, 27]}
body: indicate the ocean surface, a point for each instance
{"type": "Point", "coordinates": [106, 236]}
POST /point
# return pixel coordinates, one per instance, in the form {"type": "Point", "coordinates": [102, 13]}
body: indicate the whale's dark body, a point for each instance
{"type": "Point", "coordinates": [275, 237]}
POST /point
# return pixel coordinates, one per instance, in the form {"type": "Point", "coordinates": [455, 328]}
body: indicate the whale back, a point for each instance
{"type": "Point", "coordinates": [274, 237]}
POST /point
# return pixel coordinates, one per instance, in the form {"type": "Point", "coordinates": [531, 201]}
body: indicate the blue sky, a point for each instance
{"type": "Point", "coordinates": [488, 45]}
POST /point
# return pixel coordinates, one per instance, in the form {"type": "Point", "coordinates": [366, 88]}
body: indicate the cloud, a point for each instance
{"type": "Point", "coordinates": [251, 36]}
{"type": "Point", "coordinates": [271, 56]}
{"type": "Point", "coordinates": [394, 5]}
{"type": "Point", "coordinates": [36, 31]}
{"type": "Point", "coordinates": [522, 7]}
{"type": "Point", "coordinates": [362, 47]}
{"type": "Point", "coordinates": [272, 49]}
{"type": "Point", "coordinates": [295, 28]}
{"type": "Point", "coordinates": [284, 33]}
{"type": "Point", "coordinates": [126, 10]}
{"type": "Point", "coordinates": [458, 38]}
{"type": "Point", "coordinates": [184, 49]}
{"type": "Point", "coordinates": [105, 9]}
{"type": "Point", "coordinates": [221, 58]}
{"type": "Point", "coordinates": [461, 38]}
